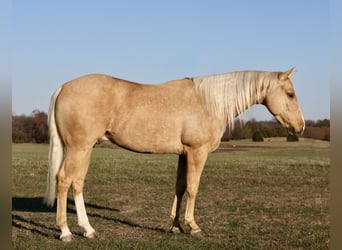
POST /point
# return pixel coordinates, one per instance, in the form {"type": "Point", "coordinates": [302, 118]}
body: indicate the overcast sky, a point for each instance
{"type": "Point", "coordinates": [157, 41]}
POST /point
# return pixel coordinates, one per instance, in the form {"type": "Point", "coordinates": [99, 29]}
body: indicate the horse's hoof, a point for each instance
{"type": "Point", "coordinates": [68, 238]}
{"type": "Point", "coordinates": [193, 231]}
{"type": "Point", "coordinates": [92, 235]}
{"type": "Point", "coordinates": [176, 230]}
{"type": "Point", "coordinates": [197, 233]}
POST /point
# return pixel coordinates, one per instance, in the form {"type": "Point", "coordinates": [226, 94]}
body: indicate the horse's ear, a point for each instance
{"type": "Point", "coordinates": [285, 75]}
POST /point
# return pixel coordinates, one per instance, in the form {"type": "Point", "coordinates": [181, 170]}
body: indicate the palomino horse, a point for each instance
{"type": "Point", "coordinates": [186, 117]}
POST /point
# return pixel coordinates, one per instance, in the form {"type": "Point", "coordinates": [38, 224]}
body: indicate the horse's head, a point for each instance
{"type": "Point", "coordinates": [281, 101]}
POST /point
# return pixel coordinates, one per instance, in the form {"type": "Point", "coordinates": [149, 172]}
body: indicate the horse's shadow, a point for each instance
{"type": "Point", "coordinates": [36, 205]}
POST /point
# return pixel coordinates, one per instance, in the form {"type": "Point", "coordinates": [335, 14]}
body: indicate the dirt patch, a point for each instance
{"type": "Point", "coordinates": [232, 148]}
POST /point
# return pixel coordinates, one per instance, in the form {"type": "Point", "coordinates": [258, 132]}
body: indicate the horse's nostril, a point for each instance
{"type": "Point", "coordinates": [301, 131]}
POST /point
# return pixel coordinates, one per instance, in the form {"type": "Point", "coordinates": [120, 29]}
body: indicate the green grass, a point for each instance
{"type": "Point", "coordinates": [253, 195]}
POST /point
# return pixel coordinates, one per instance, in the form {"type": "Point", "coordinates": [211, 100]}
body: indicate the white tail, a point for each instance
{"type": "Point", "coordinates": [55, 153]}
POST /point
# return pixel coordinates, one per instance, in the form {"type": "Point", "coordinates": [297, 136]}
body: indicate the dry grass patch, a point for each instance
{"type": "Point", "coordinates": [271, 195]}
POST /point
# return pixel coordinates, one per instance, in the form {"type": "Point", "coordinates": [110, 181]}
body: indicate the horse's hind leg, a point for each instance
{"type": "Point", "coordinates": [63, 184]}
{"type": "Point", "coordinates": [72, 172]}
{"type": "Point", "coordinates": [77, 185]}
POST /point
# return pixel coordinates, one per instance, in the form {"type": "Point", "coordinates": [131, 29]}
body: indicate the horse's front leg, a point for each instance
{"type": "Point", "coordinates": [180, 190]}
{"type": "Point", "coordinates": [195, 163]}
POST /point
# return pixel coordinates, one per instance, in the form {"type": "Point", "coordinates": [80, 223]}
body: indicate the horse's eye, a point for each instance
{"type": "Point", "coordinates": [290, 94]}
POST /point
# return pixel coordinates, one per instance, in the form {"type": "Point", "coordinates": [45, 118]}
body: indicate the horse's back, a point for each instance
{"type": "Point", "coordinates": [98, 92]}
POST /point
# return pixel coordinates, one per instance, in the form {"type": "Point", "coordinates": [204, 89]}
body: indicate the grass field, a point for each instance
{"type": "Point", "coordinates": [266, 195]}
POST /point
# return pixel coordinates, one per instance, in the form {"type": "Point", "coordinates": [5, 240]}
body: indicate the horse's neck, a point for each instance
{"type": "Point", "coordinates": [253, 94]}
{"type": "Point", "coordinates": [228, 95]}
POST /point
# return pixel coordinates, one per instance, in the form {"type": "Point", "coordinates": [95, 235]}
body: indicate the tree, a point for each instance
{"type": "Point", "coordinates": [323, 123]}
{"type": "Point", "coordinates": [41, 133]}
{"type": "Point", "coordinates": [257, 136]}
{"type": "Point", "coordinates": [293, 137]}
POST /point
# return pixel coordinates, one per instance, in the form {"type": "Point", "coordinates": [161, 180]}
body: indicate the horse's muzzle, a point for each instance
{"type": "Point", "coordinates": [295, 131]}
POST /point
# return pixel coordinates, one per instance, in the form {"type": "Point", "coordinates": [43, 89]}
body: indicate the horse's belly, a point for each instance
{"type": "Point", "coordinates": [148, 145]}
{"type": "Point", "coordinates": [148, 138]}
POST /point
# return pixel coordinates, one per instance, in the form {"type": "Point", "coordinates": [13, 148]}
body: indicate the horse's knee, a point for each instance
{"type": "Point", "coordinates": [192, 192]}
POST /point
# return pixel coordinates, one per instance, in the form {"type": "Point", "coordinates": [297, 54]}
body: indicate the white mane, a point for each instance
{"type": "Point", "coordinates": [228, 95]}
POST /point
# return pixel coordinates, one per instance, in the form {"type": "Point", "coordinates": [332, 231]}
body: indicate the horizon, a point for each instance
{"type": "Point", "coordinates": [240, 117]}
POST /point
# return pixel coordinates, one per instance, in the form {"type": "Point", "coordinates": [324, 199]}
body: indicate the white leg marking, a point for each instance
{"type": "Point", "coordinates": [82, 216]}
{"type": "Point", "coordinates": [65, 232]}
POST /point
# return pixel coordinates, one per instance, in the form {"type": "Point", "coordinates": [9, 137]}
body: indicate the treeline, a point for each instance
{"type": "Point", "coordinates": [34, 129]}
{"type": "Point", "coordinates": [319, 130]}
{"type": "Point", "coordinates": [30, 129]}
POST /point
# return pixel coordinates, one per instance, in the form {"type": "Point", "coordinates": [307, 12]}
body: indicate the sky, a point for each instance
{"type": "Point", "coordinates": [157, 41]}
